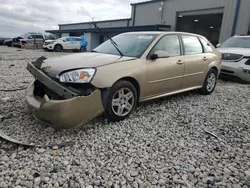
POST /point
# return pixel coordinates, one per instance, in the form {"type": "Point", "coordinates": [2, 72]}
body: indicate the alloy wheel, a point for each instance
{"type": "Point", "coordinates": [123, 102]}
{"type": "Point", "coordinates": [211, 81]}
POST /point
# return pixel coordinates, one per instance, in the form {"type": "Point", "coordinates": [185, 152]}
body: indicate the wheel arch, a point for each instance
{"type": "Point", "coordinates": [132, 80]}
{"type": "Point", "coordinates": [57, 45]}
{"type": "Point", "coordinates": [215, 68]}
{"type": "Point", "coordinates": [215, 65]}
{"type": "Point", "coordinates": [135, 83]}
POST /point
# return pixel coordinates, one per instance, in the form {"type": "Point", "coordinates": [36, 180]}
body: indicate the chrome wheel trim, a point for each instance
{"type": "Point", "coordinates": [123, 102]}
{"type": "Point", "coordinates": [211, 81]}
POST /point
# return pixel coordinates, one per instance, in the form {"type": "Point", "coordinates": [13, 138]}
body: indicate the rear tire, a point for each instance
{"type": "Point", "coordinates": [209, 83]}
{"type": "Point", "coordinates": [58, 48]}
{"type": "Point", "coordinates": [120, 101]}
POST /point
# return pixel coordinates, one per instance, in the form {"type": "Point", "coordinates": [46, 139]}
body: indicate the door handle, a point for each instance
{"type": "Point", "coordinates": [205, 58]}
{"type": "Point", "coordinates": [180, 62]}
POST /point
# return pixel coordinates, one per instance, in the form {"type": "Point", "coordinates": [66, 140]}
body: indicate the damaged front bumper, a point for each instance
{"type": "Point", "coordinates": [71, 112]}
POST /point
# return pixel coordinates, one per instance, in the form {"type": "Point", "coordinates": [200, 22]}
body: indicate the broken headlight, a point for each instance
{"type": "Point", "coordinates": [78, 76]}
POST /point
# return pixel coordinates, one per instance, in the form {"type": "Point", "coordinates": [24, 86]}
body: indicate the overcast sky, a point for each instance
{"type": "Point", "coordinates": [20, 16]}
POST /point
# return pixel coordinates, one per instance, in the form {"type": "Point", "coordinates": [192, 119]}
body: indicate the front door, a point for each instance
{"type": "Point", "coordinates": [165, 75]}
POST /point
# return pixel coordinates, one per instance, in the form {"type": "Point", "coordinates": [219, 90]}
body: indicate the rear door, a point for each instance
{"type": "Point", "coordinates": [78, 43]}
{"type": "Point", "coordinates": [196, 61]}
{"type": "Point", "coordinates": [165, 75]}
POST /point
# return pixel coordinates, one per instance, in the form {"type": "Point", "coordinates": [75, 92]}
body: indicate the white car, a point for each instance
{"type": "Point", "coordinates": [46, 44]}
{"type": "Point", "coordinates": [236, 58]}
{"type": "Point", "coordinates": [64, 43]}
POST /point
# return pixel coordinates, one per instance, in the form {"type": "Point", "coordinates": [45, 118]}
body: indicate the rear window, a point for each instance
{"type": "Point", "coordinates": [71, 39]}
{"type": "Point", "coordinates": [206, 45]}
{"type": "Point", "coordinates": [192, 45]}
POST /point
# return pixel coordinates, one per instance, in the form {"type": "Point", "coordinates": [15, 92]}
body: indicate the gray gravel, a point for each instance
{"type": "Point", "coordinates": [163, 144]}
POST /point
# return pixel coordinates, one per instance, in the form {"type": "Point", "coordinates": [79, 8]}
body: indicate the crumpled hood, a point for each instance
{"type": "Point", "coordinates": [242, 51]}
{"type": "Point", "coordinates": [56, 65]}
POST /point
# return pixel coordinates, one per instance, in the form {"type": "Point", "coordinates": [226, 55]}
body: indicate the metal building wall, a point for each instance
{"type": "Point", "coordinates": [149, 13]}
{"type": "Point", "coordinates": [244, 17]}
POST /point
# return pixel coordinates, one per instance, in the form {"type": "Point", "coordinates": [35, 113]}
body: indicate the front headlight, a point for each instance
{"type": "Point", "coordinates": [78, 76]}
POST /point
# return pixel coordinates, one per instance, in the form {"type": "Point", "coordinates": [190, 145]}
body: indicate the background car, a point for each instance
{"type": "Point", "coordinates": [16, 41]}
{"type": "Point", "coordinates": [2, 40]}
{"type": "Point", "coordinates": [27, 38]}
{"type": "Point", "coordinates": [236, 58]}
{"type": "Point", "coordinates": [47, 43]}
{"type": "Point", "coordinates": [65, 43]}
{"type": "Point", "coordinates": [31, 38]}
{"type": "Point", "coordinates": [8, 42]}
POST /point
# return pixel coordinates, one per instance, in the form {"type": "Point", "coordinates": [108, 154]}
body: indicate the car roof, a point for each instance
{"type": "Point", "coordinates": [162, 32]}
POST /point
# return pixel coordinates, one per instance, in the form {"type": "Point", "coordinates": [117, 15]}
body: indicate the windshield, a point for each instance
{"type": "Point", "coordinates": [132, 45]}
{"type": "Point", "coordinates": [237, 42]}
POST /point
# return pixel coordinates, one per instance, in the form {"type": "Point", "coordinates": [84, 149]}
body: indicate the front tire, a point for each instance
{"type": "Point", "coordinates": [120, 101]}
{"type": "Point", "coordinates": [209, 83]}
{"type": "Point", "coordinates": [58, 48]}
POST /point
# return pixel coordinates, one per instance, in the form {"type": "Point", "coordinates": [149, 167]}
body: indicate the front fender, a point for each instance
{"type": "Point", "coordinates": [106, 76]}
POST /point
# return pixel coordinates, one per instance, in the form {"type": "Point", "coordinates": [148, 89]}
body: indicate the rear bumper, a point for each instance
{"type": "Point", "coordinates": [62, 114]}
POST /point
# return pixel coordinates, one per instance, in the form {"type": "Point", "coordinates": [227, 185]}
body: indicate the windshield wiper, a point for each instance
{"type": "Point", "coordinates": [111, 40]}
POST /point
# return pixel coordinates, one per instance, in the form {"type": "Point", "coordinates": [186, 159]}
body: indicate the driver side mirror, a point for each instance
{"type": "Point", "coordinates": [153, 56]}
{"type": "Point", "coordinates": [159, 54]}
{"type": "Point", "coordinates": [218, 45]}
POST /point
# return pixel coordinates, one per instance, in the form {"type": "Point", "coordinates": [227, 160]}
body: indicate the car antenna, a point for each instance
{"type": "Point", "coordinates": [111, 40]}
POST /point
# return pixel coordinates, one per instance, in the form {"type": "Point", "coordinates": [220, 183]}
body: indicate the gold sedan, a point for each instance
{"type": "Point", "coordinates": [71, 90]}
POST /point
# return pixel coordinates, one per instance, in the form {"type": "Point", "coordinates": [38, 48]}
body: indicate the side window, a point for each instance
{"type": "Point", "coordinates": [170, 44]}
{"type": "Point", "coordinates": [206, 46]}
{"type": "Point", "coordinates": [37, 36]}
{"type": "Point", "coordinates": [71, 39]}
{"type": "Point", "coordinates": [192, 45]}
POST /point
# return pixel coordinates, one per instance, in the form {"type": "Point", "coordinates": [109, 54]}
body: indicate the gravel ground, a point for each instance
{"type": "Point", "coordinates": [163, 144]}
